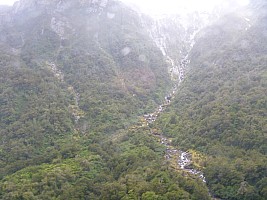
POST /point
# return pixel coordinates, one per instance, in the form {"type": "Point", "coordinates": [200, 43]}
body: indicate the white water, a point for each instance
{"type": "Point", "coordinates": [177, 74]}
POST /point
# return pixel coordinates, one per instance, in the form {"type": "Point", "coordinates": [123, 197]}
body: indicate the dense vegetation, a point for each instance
{"type": "Point", "coordinates": [220, 109]}
{"type": "Point", "coordinates": [106, 57]}
{"type": "Point", "coordinates": [109, 72]}
{"type": "Point", "coordinates": [129, 168]}
{"type": "Point", "coordinates": [114, 88]}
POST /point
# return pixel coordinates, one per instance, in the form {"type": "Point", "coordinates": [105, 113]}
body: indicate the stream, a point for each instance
{"type": "Point", "coordinates": [184, 159]}
{"type": "Point", "coordinates": [177, 73]}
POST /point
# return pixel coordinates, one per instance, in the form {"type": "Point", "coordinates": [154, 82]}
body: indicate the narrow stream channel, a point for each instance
{"type": "Point", "coordinates": [184, 158]}
{"type": "Point", "coordinates": [177, 73]}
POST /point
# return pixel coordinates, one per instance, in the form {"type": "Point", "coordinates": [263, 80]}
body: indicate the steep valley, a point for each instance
{"type": "Point", "coordinates": [100, 101]}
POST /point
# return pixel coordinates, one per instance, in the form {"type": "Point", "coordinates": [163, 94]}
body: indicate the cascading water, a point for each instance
{"type": "Point", "coordinates": [177, 74]}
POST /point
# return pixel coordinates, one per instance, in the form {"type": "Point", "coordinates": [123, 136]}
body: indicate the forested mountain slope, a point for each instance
{"type": "Point", "coordinates": [74, 77]}
{"type": "Point", "coordinates": [56, 53]}
{"type": "Point", "coordinates": [77, 75]}
{"type": "Point", "coordinates": [220, 110]}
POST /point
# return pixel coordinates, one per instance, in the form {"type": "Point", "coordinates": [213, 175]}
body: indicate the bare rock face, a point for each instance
{"type": "Point", "coordinates": [30, 4]}
{"type": "Point", "coordinates": [61, 27]}
{"type": "Point", "coordinates": [5, 15]}
{"type": "Point", "coordinates": [59, 4]}
{"type": "Point", "coordinates": [101, 3]}
{"type": "Point", "coordinates": [24, 10]}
